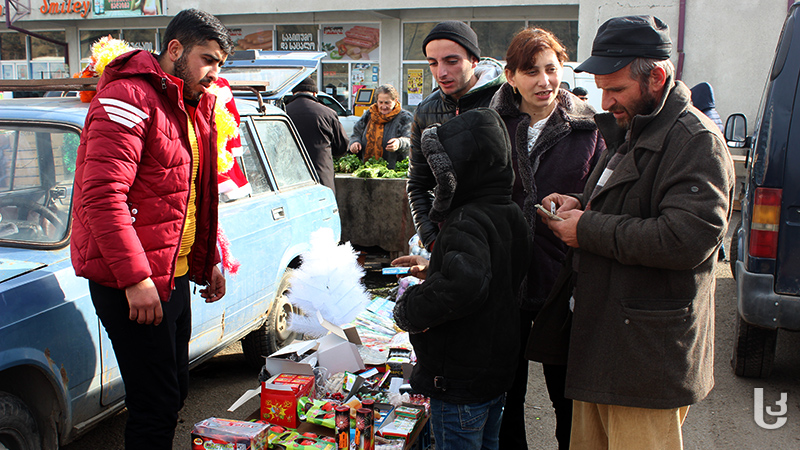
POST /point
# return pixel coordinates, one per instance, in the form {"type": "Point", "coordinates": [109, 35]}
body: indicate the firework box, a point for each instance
{"type": "Point", "coordinates": [397, 424]}
{"type": "Point", "coordinates": [279, 398]}
{"type": "Point", "coordinates": [294, 440]}
{"type": "Point", "coordinates": [223, 433]}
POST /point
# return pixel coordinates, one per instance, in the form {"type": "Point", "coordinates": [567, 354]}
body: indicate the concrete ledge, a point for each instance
{"type": "Point", "coordinates": [375, 212]}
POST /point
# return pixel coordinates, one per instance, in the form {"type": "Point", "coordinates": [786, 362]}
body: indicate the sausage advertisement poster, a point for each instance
{"type": "Point", "coordinates": [351, 42]}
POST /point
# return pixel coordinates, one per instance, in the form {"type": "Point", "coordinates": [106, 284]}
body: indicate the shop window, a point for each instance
{"type": "Point", "coordinates": [40, 47]}
{"type": "Point", "coordinates": [89, 37]}
{"type": "Point", "coordinates": [145, 39]}
{"type": "Point", "coordinates": [494, 37]}
{"type": "Point", "coordinates": [413, 35]}
{"type": "Point", "coordinates": [565, 30]}
{"type": "Point", "coordinates": [12, 46]}
{"type": "Point", "coordinates": [363, 75]}
{"type": "Point", "coordinates": [417, 84]}
{"type": "Point", "coordinates": [334, 82]}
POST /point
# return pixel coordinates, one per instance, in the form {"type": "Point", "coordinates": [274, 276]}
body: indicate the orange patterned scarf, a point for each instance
{"type": "Point", "coordinates": [374, 147]}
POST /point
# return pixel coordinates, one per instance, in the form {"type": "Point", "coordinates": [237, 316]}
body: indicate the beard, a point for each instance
{"type": "Point", "coordinates": [182, 72]}
{"type": "Point", "coordinates": [645, 105]}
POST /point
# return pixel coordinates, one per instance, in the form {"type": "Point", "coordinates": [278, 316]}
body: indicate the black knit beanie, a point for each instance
{"type": "Point", "coordinates": [307, 85]}
{"type": "Point", "coordinates": [456, 31]}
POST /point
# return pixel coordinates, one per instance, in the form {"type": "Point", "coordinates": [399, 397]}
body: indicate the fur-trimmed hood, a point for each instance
{"type": "Point", "coordinates": [470, 157]}
{"type": "Point", "coordinates": [579, 114]}
{"type": "Point", "coordinates": [561, 160]}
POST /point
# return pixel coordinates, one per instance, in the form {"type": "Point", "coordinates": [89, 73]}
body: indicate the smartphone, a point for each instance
{"type": "Point", "coordinates": [395, 270]}
{"type": "Point", "coordinates": [549, 214]}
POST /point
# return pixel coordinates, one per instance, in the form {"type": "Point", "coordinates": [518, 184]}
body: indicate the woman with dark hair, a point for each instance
{"type": "Point", "coordinates": [384, 131]}
{"type": "Point", "coordinates": [555, 144]}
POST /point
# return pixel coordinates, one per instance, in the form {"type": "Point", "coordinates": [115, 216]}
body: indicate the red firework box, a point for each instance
{"type": "Point", "coordinates": [216, 433]}
{"type": "Point", "coordinates": [279, 398]}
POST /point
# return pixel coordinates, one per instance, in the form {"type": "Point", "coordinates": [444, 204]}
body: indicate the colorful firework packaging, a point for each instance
{"type": "Point", "coordinates": [365, 433]}
{"type": "Point", "coordinates": [279, 398]}
{"type": "Point", "coordinates": [292, 440]}
{"type": "Point", "coordinates": [223, 434]}
{"type": "Point", "coordinates": [342, 427]}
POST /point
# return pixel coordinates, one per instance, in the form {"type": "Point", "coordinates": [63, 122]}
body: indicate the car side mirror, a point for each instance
{"type": "Point", "coordinates": [736, 131]}
{"type": "Point", "coordinates": [347, 112]}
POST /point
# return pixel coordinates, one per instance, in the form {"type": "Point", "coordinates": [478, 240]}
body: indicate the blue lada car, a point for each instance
{"type": "Point", "coordinates": [58, 373]}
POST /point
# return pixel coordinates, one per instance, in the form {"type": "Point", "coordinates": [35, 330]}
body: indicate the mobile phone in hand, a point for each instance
{"type": "Point", "coordinates": [549, 214]}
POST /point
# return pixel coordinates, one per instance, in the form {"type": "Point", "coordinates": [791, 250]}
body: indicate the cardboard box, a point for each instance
{"type": "Point", "coordinates": [223, 433]}
{"type": "Point", "coordinates": [279, 398]}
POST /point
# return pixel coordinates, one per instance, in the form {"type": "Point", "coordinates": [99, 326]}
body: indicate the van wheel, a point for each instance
{"type": "Point", "coordinates": [18, 430]}
{"type": "Point", "coordinates": [275, 333]}
{"type": "Point", "coordinates": [753, 350]}
{"type": "Point", "coordinates": [733, 255]}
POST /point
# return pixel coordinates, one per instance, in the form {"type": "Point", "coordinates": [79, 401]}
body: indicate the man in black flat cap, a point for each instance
{"type": "Point", "coordinates": [646, 231]}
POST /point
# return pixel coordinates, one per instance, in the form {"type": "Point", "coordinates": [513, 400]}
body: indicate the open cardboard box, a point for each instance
{"type": "Point", "coordinates": [335, 351]}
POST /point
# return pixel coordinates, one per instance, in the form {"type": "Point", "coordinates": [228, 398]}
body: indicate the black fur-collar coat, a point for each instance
{"type": "Point", "coordinates": [562, 159]}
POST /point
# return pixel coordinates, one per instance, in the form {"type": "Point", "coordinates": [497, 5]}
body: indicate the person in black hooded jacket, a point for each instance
{"type": "Point", "coordinates": [463, 318]}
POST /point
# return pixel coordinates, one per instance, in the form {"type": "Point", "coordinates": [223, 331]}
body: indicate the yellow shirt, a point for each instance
{"type": "Point", "coordinates": [189, 228]}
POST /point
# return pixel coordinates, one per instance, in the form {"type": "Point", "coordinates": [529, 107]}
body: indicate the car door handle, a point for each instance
{"type": "Point", "coordinates": [278, 213]}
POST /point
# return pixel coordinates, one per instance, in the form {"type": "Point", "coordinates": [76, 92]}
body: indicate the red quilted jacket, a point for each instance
{"type": "Point", "coordinates": [132, 180]}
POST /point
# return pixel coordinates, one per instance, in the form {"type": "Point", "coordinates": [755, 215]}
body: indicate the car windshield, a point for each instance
{"type": "Point", "coordinates": [37, 166]}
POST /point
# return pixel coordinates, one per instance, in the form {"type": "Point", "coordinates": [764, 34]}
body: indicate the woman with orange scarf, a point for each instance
{"type": "Point", "coordinates": [384, 130]}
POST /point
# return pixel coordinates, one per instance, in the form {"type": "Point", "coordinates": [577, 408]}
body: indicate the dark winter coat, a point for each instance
{"type": "Point", "coordinates": [399, 127]}
{"type": "Point", "coordinates": [132, 180]}
{"type": "Point", "coordinates": [439, 108]}
{"type": "Point", "coordinates": [643, 322]}
{"type": "Point", "coordinates": [321, 132]}
{"type": "Point", "coordinates": [703, 99]}
{"type": "Point", "coordinates": [464, 317]}
{"type": "Point", "coordinates": [562, 159]}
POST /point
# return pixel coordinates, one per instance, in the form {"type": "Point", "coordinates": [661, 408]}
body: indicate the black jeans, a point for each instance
{"type": "Point", "coordinates": [512, 431]}
{"type": "Point", "coordinates": [153, 362]}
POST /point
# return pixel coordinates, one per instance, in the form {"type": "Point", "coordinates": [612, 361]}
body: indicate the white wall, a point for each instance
{"type": "Point", "coordinates": [729, 44]}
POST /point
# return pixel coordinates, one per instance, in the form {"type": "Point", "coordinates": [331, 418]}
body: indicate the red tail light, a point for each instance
{"type": "Point", "coordinates": [766, 222]}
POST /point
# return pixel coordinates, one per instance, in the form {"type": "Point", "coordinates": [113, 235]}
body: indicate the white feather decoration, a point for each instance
{"type": "Point", "coordinates": [328, 281]}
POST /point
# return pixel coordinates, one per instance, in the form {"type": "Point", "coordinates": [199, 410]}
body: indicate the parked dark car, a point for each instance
{"type": "Point", "coordinates": [765, 249]}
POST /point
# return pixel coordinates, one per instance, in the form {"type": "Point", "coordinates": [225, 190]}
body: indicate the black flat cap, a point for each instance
{"type": "Point", "coordinates": [622, 39]}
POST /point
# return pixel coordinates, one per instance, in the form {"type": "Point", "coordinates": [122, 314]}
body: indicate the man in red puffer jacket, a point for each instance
{"type": "Point", "coordinates": [145, 213]}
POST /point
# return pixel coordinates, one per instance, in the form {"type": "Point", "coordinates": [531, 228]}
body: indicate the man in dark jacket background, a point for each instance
{"type": "Point", "coordinates": [319, 127]}
{"type": "Point", "coordinates": [465, 81]}
{"type": "Point", "coordinates": [145, 214]}
{"type": "Point", "coordinates": [646, 232]}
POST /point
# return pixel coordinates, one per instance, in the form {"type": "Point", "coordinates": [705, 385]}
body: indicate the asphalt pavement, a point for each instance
{"type": "Point", "coordinates": [723, 421]}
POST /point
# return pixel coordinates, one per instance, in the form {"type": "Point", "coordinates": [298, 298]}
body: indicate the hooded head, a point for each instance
{"type": "Point", "coordinates": [470, 157]}
{"type": "Point", "coordinates": [703, 96]}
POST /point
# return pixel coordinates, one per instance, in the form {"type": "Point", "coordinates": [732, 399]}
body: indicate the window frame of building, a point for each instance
{"type": "Point", "coordinates": [411, 46]}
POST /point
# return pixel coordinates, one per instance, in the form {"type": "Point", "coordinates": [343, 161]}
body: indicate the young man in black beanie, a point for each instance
{"type": "Point", "coordinates": [466, 81]}
{"type": "Point", "coordinates": [319, 128]}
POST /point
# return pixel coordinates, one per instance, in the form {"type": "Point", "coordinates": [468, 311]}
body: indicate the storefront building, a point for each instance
{"type": "Point", "coordinates": [367, 46]}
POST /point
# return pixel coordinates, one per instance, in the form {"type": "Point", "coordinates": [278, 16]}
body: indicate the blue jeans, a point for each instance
{"type": "Point", "coordinates": [475, 426]}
